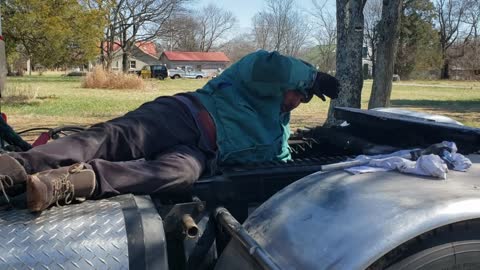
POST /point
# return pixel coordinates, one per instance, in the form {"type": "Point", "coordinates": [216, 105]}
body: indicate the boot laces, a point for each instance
{"type": "Point", "coordinates": [64, 188]}
{"type": "Point", "coordinates": [5, 182]}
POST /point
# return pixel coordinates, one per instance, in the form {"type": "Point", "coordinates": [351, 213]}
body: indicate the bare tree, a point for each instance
{"type": "Point", "coordinates": [181, 32]}
{"type": "Point", "coordinates": [472, 19]}
{"type": "Point", "coordinates": [469, 62]}
{"type": "Point", "coordinates": [111, 31]}
{"type": "Point", "coordinates": [213, 23]}
{"type": "Point", "coordinates": [389, 28]}
{"type": "Point", "coordinates": [262, 30]}
{"type": "Point", "coordinates": [131, 21]}
{"type": "Point", "coordinates": [372, 13]}
{"type": "Point", "coordinates": [143, 20]}
{"type": "Point", "coordinates": [349, 55]}
{"type": "Point", "coordinates": [280, 11]}
{"type": "Point", "coordinates": [238, 47]}
{"type": "Point", "coordinates": [200, 31]}
{"type": "Point", "coordinates": [281, 27]}
{"type": "Point", "coordinates": [326, 34]}
{"type": "Point", "coordinates": [466, 53]}
{"type": "Point", "coordinates": [449, 15]}
{"type": "Point", "coordinates": [474, 15]}
{"type": "Point", "coordinates": [296, 37]}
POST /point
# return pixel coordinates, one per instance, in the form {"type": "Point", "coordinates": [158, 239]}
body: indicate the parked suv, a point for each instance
{"type": "Point", "coordinates": [154, 71]}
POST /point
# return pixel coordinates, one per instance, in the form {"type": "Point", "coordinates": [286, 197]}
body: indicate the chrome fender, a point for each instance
{"type": "Point", "coordinates": [340, 221]}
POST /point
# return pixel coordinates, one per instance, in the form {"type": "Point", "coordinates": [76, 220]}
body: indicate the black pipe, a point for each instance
{"type": "Point", "coordinates": [33, 129]}
{"type": "Point", "coordinates": [236, 231]}
{"type": "Point", "coordinates": [202, 253]}
{"type": "Point", "coordinates": [11, 137]}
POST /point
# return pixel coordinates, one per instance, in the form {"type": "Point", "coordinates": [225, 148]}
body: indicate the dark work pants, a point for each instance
{"type": "Point", "coordinates": [154, 149]}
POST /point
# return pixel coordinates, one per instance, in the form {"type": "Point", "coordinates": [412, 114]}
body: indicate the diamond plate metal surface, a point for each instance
{"type": "Point", "coordinates": [90, 235]}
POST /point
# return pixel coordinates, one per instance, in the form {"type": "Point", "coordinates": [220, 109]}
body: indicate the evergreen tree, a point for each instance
{"type": "Point", "coordinates": [418, 48]}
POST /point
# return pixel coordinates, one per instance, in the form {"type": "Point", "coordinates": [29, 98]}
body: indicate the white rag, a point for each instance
{"type": "Point", "coordinates": [427, 165]}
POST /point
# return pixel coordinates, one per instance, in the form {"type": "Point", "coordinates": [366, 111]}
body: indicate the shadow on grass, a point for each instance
{"type": "Point", "coordinates": [44, 79]}
{"type": "Point", "coordinates": [16, 101]}
{"type": "Point", "coordinates": [440, 105]}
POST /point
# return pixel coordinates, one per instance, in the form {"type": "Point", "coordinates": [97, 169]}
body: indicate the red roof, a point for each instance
{"type": "Point", "coordinates": [116, 46]}
{"type": "Point", "coordinates": [197, 56]}
{"type": "Point", "coordinates": [147, 47]}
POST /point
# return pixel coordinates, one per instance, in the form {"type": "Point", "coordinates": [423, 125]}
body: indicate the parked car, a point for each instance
{"type": "Point", "coordinates": [217, 73]}
{"type": "Point", "coordinates": [186, 72]}
{"type": "Point", "coordinates": [154, 71]}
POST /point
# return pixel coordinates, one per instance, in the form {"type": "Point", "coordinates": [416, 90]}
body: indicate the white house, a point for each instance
{"type": "Point", "coordinates": [143, 53]}
{"type": "Point", "coordinates": [209, 62]}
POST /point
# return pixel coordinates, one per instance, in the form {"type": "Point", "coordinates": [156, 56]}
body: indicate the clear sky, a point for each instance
{"type": "Point", "coordinates": [244, 10]}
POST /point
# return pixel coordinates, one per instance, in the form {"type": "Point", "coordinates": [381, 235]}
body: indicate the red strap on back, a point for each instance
{"type": "Point", "coordinates": [4, 116]}
{"type": "Point", "coordinates": [42, 139]}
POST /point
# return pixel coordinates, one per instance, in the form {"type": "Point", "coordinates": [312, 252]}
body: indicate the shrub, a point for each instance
{"type": "Point", "coordinates": [100, 78]}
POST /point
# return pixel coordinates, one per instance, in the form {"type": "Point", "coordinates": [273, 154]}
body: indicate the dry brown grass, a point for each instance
{"type": "Point", "coordinates": [19, 93]}
{"type": "Point", "coordinates": [99, 78]}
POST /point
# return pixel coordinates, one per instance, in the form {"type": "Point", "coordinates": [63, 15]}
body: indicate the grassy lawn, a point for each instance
{"type": "Point", "coordinates": [53, 100]}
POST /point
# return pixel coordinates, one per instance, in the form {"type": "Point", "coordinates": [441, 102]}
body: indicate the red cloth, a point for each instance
{"type": "Point", "coordinates": [206, 121]}
{"type": "Point", "coordinates": [42, 139]}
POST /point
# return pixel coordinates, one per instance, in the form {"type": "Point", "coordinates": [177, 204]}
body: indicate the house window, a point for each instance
{"type": "Point", "coordinates": [365, 52]}
{"type": "Point", "coordinates": [133, 64]}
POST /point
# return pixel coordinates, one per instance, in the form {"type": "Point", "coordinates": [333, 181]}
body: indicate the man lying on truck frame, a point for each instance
{"type": "Point", "coordinates": [241, 116]}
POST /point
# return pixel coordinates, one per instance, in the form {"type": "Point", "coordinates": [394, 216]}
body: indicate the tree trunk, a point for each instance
{"type": "Point", "coordinates": [349, 56]}
{"type": "Point", "coordinates": [29, 66]}
{"type": "Point", "coordinates": [386, 49]}
{"type": "Point", "coordinates": [125, 66]}
{"type": "Point", "coordinates": [3, 61]}
{"type": "Point", "coordinates": [374, 56]}
{"type": "Point", "coordinates": [126, 52]}
{"type": "Point", "coordinates": [108, 64]}
{"type": "Point", "coordinates": [102, 54]}
{"type": "Point", "coordinates": [445, 75]}
{"type": "Point", "coordinates": [110, 53]}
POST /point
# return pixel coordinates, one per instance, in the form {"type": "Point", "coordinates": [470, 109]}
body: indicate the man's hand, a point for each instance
{"type": "Point", "coordinates": [325, 85]}
{"type": "Point", "coordinates": [436, 149]}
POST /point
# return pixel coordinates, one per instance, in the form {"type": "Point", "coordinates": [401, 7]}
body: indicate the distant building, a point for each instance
{"type": "Point", "coordinates": [367, 62]}
{"type": "Point", "coordinates": [466, 66]}
{"type": "Point", "coordinates": [208, 62]}
{"type": "Point", "coordinates": [143, 53]}
{"type": "Point", "coordinates": [464, 73]}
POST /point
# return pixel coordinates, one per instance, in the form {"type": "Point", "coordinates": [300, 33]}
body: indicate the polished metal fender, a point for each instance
{"type": "Point", "coordinates": [340, 221]}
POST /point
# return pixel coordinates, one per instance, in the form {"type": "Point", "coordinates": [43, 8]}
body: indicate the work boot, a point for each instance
{"type": "Point", "coordinates": [65, 183]}
{"type": "Point", "coordinates": [11, 173]}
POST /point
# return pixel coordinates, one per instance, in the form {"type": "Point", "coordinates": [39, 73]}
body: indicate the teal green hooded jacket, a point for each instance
{"type": "Point", "coordinates": [245, 105]}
